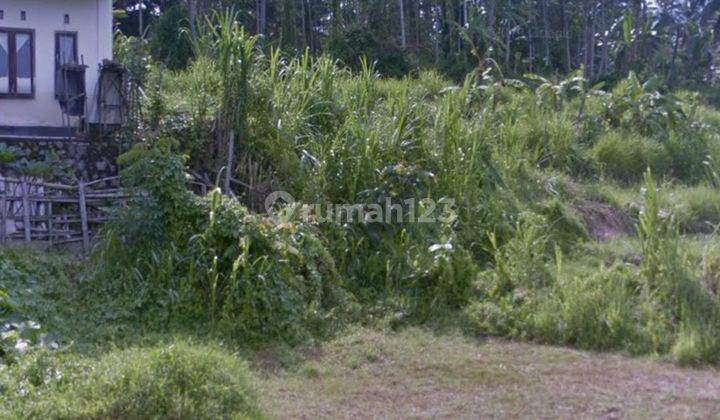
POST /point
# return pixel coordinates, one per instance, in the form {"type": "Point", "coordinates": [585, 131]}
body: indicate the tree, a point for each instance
{"type": "Point", "coordinates": [169, 41]}
{"type": "Point", "coordinates": [607, 37]}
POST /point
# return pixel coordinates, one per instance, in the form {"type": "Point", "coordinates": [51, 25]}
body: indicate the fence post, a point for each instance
{"type": "Point", "coordinates": [83, 216]}
{"type": "Point", "coordinates": [3, 218]}
{"type": "Point", "coordinates": [26, 212]}
{"type": "Point", "coordinates": [51, 237]}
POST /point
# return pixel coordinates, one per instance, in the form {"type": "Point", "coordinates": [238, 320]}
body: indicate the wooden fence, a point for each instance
{"type": "Point", "coordinates": [55, 214]}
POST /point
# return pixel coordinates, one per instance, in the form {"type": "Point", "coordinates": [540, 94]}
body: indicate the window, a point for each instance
{"type": "Point", "coordinates": [23, 15]}
{"type": "Point", "coordinates": [4, 63]}
{"type": "Point", "coordinates": [2, 14]}
{"type": "Point", "coordinates": [66, 19]}
{"type": "Point", "coordinates": [66, 52]}
{"type": "Point", "coordinates": [65, 48]}
{"type": "Point", "coordinates": [17, 63]}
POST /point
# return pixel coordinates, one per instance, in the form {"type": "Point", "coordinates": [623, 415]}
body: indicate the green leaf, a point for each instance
{"type": "Point", "coordinates": [627, 27]}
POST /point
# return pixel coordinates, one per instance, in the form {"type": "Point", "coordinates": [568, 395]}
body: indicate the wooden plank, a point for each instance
{"type": "Point", "coordinates": [60, 220]}
{"type": "Point", "coordinates": [42, 184]}
{"type": "Point", "coordinates": [67, 241]}
{"type": "Point", "coordinates": [3, 219]}
{"type": "Point", "coordinates": [83, 216]}
{"type": "Point", "coordinates": [109, 196]}
{"type": "Point", "coordinates": [50, 221]}
{"type": "Point", "coordinates": [26, 212]}
{"type": "Point", "coordinates": [106, 191]}
{"type": "Point", "coordinates": [43, 232]}
{"type": "Point", "coordinates": [66, 200]}
{"type": "Point", "coordinates": [99, 181]}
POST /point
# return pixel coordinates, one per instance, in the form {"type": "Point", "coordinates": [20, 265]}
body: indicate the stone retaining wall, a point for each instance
{"type": "Point", "coordinates": [85, 159]}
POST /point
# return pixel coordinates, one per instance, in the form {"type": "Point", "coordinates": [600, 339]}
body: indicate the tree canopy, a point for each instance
{"type": "Point", "coordinates": [676, 39]}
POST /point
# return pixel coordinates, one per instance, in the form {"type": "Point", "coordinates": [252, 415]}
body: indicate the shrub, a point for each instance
{"type": "Point", "coordinates": [667, 274]}
{"type": "Point", "coordinates": [326, 135]}
{"type": "Point", "coordinates": [262, 278]}
{"type": "Point", "coordinates": [564, 227]}
{"type": "Point", "coordinates": [560, 143]}
{"type": "Point", "coordinates": [697, 208]}
{"type": "Point", "coordinates": [625, 156]}
{"type": "Point", "coordinates": [421, 270]}
{"type": "Point", "coordinates": [696, 343]}
{"type": "Point", "coordinates": [601, 312]}
{"type": "Point", "coordinates": [25, 301]}
{"type": "Point", "coordinates": [181, 380]}
{"type": "Point", "coordinates": [687, 151]}
{"type": "Point", "coordinates": [210, 258]}
{"type": "Point", "coordinates": [504, 316]}
{"type": "Point", "coordinates": [660, 306]}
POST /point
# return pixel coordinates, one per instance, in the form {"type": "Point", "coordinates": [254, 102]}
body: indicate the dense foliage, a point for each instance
{"type": "Point", "coordinates": [673, 39]}
{"type": "Point", "coordinates": [537, 169]}
{"type": "Point", "coordinates": [189, 258]}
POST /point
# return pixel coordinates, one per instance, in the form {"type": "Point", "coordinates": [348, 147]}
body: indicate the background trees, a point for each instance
{"type": "Point", "coordinates": [673, 38]}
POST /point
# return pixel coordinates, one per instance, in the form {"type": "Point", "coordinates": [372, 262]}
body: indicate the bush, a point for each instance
{"type": "Point", "coordinates": [262, 278]}
{"type": "Point", "coordinates": [25, 301]}
{"type": "Point", "coordinates": [188, 258]}
{"type": "Point", "coordinates": [697, 208]}
{"type": "Point", "coordinates": [181, 381]}
{"type": "Point", "coordinates": [659, 306]}
{"type": "Point", "coordinates": [687, 151]}
{"type": "Point", "coordinates": [601, 312]}
{"type": "Point", "coordinates": [696, 343]}
{"type": "Point", "coordinates": [504, 153]}
{"type": "Point", "coordinates": [625, 156]}
{"type": "Point", "coordinates": [565, 228]}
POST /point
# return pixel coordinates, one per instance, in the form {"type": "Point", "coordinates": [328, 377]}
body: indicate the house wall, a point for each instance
{"type": "Point", "coordinates": [91, 19]}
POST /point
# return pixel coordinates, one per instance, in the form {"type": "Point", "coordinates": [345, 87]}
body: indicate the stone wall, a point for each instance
{"type": "Point", "coordinates": [85, 159]}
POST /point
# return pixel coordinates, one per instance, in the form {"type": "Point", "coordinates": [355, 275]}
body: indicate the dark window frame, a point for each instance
{"type": "Point", "coordinates": [12, 63]}
{"type": "Point", "coordinates": [76, 57]}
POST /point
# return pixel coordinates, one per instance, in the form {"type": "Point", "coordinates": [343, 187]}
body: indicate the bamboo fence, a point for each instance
{"type": "Point", "coordinates": [57, 214]}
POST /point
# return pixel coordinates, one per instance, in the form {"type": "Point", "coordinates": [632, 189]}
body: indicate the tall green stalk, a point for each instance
{"type": "Point", "coordinates": [231, 50]}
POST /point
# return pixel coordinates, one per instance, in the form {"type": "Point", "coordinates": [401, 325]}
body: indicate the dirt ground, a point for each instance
{"type": "Point", "coordinates": [419, 374]}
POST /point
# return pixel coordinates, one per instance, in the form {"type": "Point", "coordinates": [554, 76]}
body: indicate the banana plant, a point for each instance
{"type": "Point", "coordinates": [643, 105]}
{"type": "Point", "coordinates": [554, 95]}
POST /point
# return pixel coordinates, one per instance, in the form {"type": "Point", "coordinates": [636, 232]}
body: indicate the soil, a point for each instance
{"type": "Point", "coordinates": [604, 222]}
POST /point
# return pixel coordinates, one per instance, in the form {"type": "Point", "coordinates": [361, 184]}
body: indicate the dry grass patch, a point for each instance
{"type": "Point", "coordinates": [416, 373]}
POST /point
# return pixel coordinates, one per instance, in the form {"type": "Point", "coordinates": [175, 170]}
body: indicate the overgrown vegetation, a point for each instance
{"type": "Point", "coordinates": [521, 159]}
{"type": "Point", "coordinates": [564, 214]}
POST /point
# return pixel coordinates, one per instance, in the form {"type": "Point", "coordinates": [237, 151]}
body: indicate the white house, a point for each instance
{"type": "Point", "coordinates": [49, 49]}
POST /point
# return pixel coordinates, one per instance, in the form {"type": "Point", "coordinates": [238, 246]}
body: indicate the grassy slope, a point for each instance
{"type": "Point", "coordinates": [542, 159]}
{"type": "Point", "coordinates": [373, 372]}
{"type": "Point", "coordinates": [415, 372]}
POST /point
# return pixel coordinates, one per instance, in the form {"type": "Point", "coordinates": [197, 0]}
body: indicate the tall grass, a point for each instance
{"type": "Point", "coordinates": [513, 158]}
